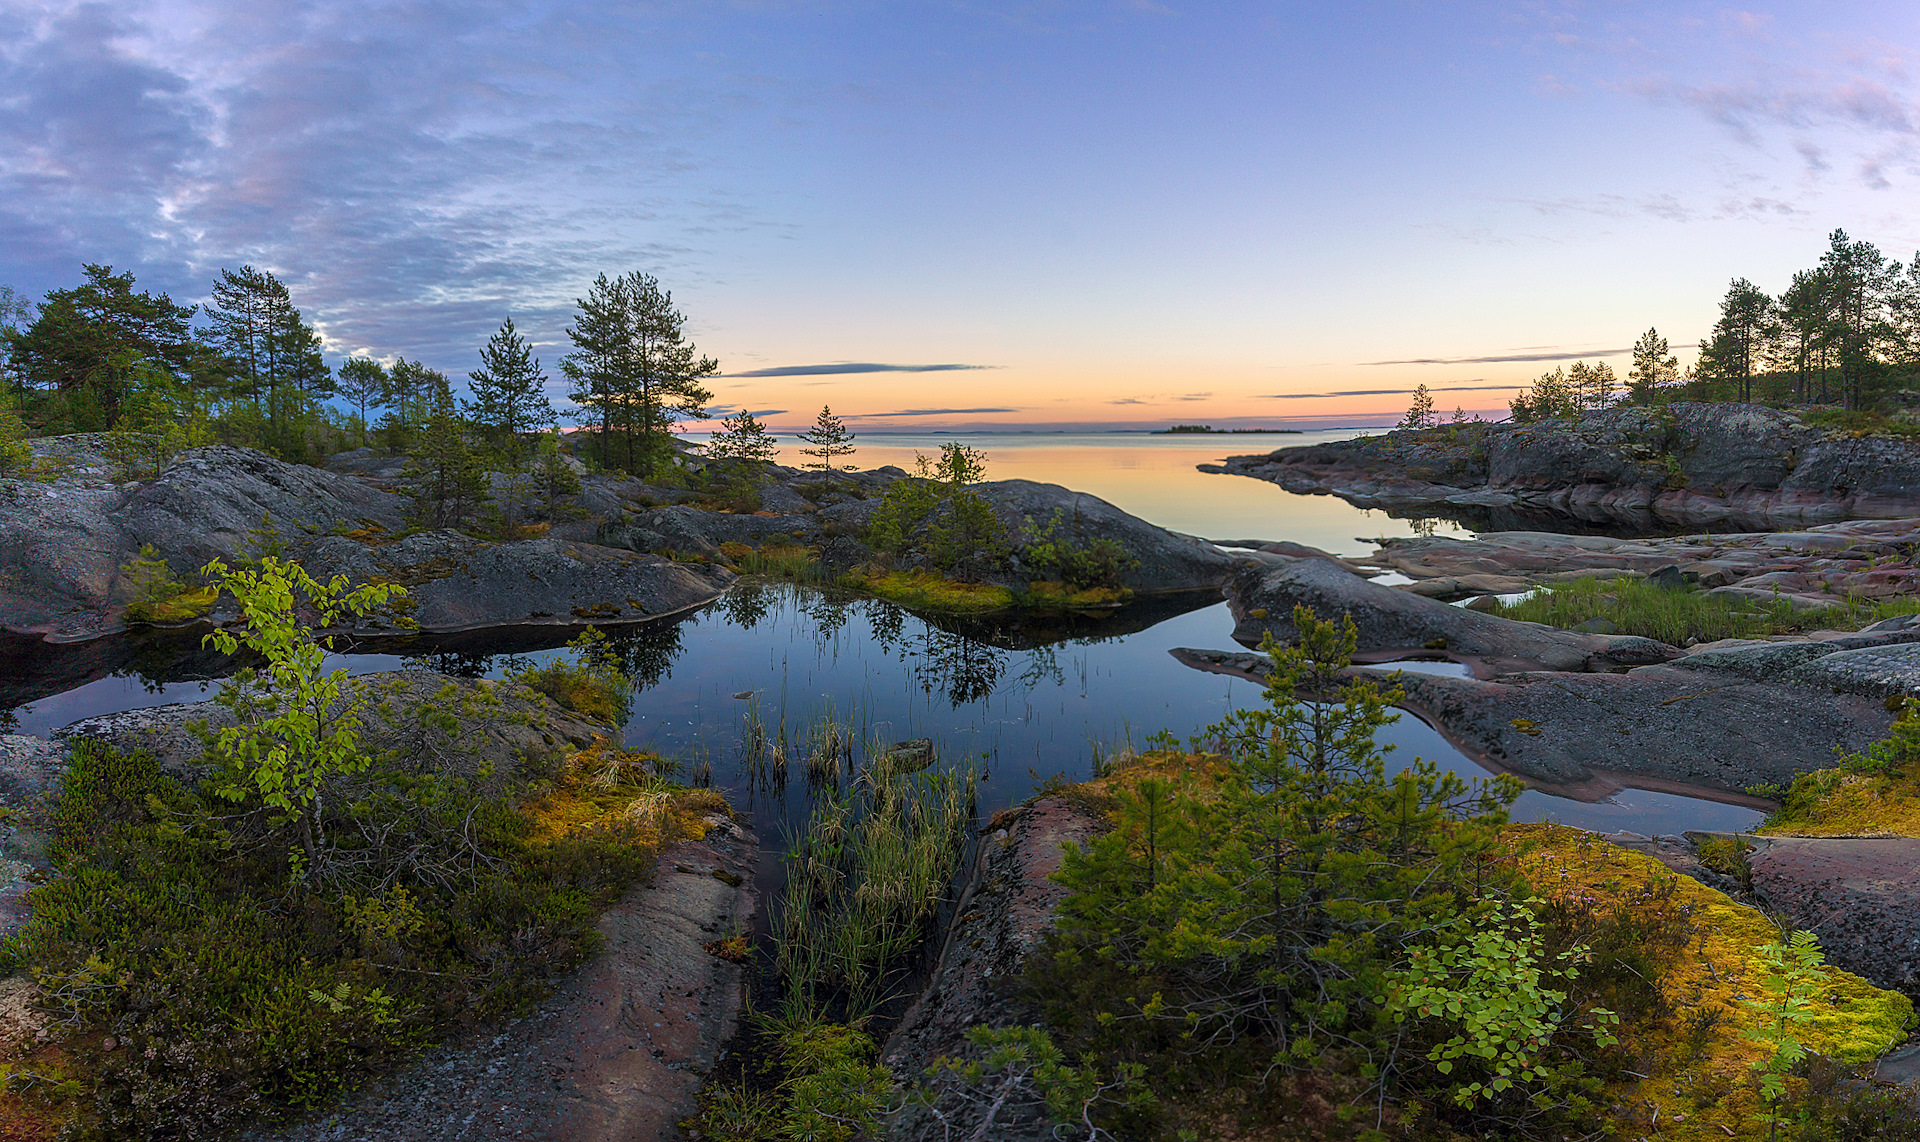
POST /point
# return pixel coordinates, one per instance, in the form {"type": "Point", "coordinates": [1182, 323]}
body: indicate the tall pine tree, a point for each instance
{"type": "Point", "coordinates": [633, 370]}
{"type": "Point", "coordinates": [273, 353]}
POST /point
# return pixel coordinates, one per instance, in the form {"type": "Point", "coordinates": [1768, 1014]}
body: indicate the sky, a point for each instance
{"type": "Point", "coordinates": [976, 214]}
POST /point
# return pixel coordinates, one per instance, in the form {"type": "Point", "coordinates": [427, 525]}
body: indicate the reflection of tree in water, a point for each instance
{"type": "Point", "coordinates": [647, 652]}
{"type": "Point", "coordinates": [1043, 665]}
{"type": "Point", "coordinates": [745, 605]}
{"type": "Point", "coordinates": [967, 670]}
{"type": "Point", "coordinates": [888, 622]}
{"type": "Point", "coordinates": [829, 612]}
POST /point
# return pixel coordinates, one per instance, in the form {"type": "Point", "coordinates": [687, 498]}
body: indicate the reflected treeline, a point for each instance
{"type": "Point", "coordinates": [1624, 525]}
{"type": "Point", "coordinates": [965, 658]}
{"type": "Point", "coordinates": [36, 669]}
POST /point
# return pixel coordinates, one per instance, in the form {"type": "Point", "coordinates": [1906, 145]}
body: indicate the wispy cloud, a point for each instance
{"type": "Point", "coordinates": [1395, 392]}
{"type": "Point", "coordinates": [925, 412]}
{"type": "Point", "coordinates": [1555, 355]}
{"type": "Point", "coordinates": [853, 367]}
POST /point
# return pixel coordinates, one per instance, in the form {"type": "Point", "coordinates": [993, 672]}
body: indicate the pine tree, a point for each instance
{"type": "Point", "coordinates": [79, 333]}
{"type": "Point", "coordinates": [409, 398]}
{"type": "Point", "coordinates": [274, 353]}
{"type": "Point", "coordinates": [743, 438]}
{"type": "Point", "coordinates": [443, 471]}
{"type": "Point", "coordinates": [364, 383]}
{"type": "Point", "coordinates": [829, 438]}
{"type": "Point", "coordinates": [633, 370]}
{"type": "Point", "coordinates": [1733, 351]}
{"type": "Point", "coordinates": [1860, 286]}
{"type": "Point", "coordinates": [1655, 370]}
{"type": "Point", "coordinates": [509, 393]}
{"type": "Point", "coordinates": [553, 477]}
{"type": "Point", "coordinates": [1420, 414]}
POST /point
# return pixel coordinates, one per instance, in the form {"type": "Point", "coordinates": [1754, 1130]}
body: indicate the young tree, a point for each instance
{"type": "Point", "coordinates": [301, 729]}
{"type": "Point", "coordinates": [828, 438]}
{"type": "Point", "coordinates": [743, 438]}
{"type": "Point", "coordinates": [16, 313]}
{"type": "Point", "coordinates": [553, 476]}
{"type": "Point", "coordinates": [364, 383]}
{"type": "Point", "coordinates": [1420, 414]}
{"type": "Point", "coordinates": [443, 470]}
{"type": "Point", "coordinates": [79, 334]}
{"type": "Point", "coordinates": [633, 370]}
{"type": "Point", "coordinates": [1551, 396]}
{"type": "Point", "coordinates": [509, 393]}
{"type": "Point", "coordinates": [1590, 386]}
{"type": "Point", "coordinates": [1655, 370]}
{"type": "Point", "coordinates": [1734, 350]}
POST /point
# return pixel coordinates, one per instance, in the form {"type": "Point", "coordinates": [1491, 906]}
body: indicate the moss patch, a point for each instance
{"type": "Point", "coordinates": [1699, 1066]}
{"type": "Point", "coordinates": [1842, 803]}
{"type": "Point", "coordinates": [1061, 596]}
{"type": "Point", "coordinates": [184, 607]}
{"type": "Point", "coordinates": [930, 591]}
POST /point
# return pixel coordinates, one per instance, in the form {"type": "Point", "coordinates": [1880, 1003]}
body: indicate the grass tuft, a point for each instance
{"type": "Point", "coordinates": [1635, 606]}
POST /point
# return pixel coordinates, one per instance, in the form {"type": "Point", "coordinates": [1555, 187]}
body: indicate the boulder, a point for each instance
{"type": "Point", "coordinates": [500, 727]}
{"type": "Point", "coordinates": [1860, 895]}
{"type": "Point", "coordinates": [1393, 623]}
{"type": "Point", "coordinates": [1588, 735]}
{"type": "Point", "coordinates": [1167, 561]}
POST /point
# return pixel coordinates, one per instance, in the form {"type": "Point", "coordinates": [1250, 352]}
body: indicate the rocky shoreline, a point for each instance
{"type": "Point", "coordinates": [1686, 464]}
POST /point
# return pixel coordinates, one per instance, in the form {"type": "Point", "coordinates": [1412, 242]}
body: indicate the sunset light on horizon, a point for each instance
{"type": "Point", "coordinates": [958, 217]}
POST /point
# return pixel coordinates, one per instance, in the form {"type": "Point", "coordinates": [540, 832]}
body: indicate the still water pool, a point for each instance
{"type": "Point", "coordinates": [1027, 699]}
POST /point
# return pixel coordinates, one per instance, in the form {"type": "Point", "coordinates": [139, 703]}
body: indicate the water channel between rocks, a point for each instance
{"type": "Point", "coordinates": [1028, 699]}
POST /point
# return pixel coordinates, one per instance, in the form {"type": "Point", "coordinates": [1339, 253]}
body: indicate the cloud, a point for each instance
{"type": "Point", "coordinates": [925, 412]}
{"type": "Point", "coordinates": [1128, 400]}
{"type": "Point", "coordinates": [1396, 392]}
{"type": "Point", "coordinates": [852, 367]}
{"type": "Point", "coordinates": [1556, 355]}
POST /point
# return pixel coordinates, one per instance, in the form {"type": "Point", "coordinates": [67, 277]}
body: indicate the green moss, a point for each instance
{"type": "Point", "coordinates": [929, 591]}
{"type": "Point", "coordinates": [184, 607]}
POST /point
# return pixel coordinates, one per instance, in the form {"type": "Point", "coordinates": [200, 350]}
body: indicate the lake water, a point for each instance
{"type": "Point", "coordinates": [1026, 699]}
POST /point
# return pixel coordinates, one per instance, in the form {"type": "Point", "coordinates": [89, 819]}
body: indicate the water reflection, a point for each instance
{"type": "Point", "coordinates": [1023, 694]}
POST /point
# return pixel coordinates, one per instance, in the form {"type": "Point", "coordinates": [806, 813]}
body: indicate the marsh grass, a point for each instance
{"type": "Point", "coordinates": [866, 877]}
{"type": "Point", "coordinates": [1635, 606]}
{"type": "Point", "coordinates": [777, 561]}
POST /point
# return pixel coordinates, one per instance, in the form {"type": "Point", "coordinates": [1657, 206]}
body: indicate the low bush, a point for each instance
{"type": "Point", "coordinates": [590, 683]}
{"type": "Point", "coordinates": [158, 596]}
{"type": "Point", "coordinates": [199, 981]}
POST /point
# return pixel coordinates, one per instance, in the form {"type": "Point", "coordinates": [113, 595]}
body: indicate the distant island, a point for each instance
{"type": "Point", "coordinates": [1223, 431]}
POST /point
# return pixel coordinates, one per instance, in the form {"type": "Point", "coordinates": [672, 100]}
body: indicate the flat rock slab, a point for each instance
{"type": "Point", "coordinates": [617, 1054]}
{"type": "Point", "coordinates": [1393, 623]}
{"type": "Point", "coordinates": [1860, 895]}
{"type": "Point", "coordinates": [1588, 735]}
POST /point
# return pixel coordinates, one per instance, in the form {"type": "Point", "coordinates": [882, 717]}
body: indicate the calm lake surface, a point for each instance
{"type": "Point", "coordinates": [1024, 699]}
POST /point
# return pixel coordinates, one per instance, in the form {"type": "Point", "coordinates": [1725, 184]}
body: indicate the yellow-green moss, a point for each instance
{"type": "Point", "coordinates": [604, 785]}
{"type": "Point", "coordinates": [1706, 1093]}
{"type": "Point", "coordinates": [184, 607]}
{"type": "Point", "coordinates": [929, 591]}
{"type": "Point", "coordinates": [1839, 803]}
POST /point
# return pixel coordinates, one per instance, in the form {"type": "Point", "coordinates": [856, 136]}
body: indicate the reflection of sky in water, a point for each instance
{"type": "Point", "coordinates": [1154, 478]}
{"type": "Point", "coordinates": [1028, 714]}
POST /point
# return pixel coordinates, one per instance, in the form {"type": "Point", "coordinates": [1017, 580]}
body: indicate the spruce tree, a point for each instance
{"type": "Point", "coordinates": [633, 370]}
{"type": "Point", "coordinates": [742, 438]}
{"type": "Point", "coordinates": [828, 438]}
{"type": "Point", "coordinates": [509, 393]}
{"type": "Point", "coordinates": [444, 473]}
{"type": "Point", "coordinates": [1420, 414]}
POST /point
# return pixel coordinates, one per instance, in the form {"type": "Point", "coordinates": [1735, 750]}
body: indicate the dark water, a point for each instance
{"type": "Point", "coordinates": [1025, 699]}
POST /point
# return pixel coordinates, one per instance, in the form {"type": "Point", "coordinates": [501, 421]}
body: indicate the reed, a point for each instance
{"type": "Point", "coordinates": [866, 877]}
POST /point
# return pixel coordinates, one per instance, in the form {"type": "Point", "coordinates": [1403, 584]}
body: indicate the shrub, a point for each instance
{"type": "Point", "coordinates": [592, 683]}
{"type": "Point", "coordinates": [1091, 563]}
{"type": "Point", "coordinates": [199, 983]}
{"type": "Point", "coordinates": [158, 596]}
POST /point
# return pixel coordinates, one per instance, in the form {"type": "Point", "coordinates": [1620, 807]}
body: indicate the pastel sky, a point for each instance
{"type": "Point", "coordinates": [1084, 213]}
